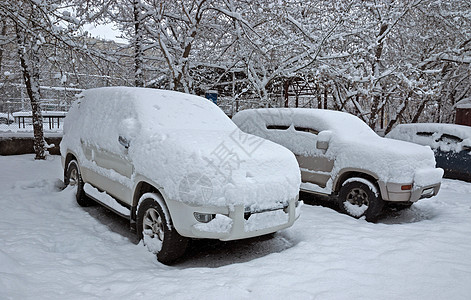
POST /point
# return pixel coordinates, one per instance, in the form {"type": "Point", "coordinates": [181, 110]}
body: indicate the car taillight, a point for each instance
{"type": "Point", "coordinates": [406, 187]}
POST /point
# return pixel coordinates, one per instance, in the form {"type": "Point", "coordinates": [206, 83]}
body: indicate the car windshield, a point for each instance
{"type": "Point", "coordinates": [345, 124]}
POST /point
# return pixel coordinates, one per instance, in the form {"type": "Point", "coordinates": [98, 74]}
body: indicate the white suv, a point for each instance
{"type": "Point", "coordinates": [341, 157]}
{"type": "Point", "coordinates": [177, 167]}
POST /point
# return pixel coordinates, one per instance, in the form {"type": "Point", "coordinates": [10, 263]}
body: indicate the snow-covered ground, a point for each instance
{"type": "Point", "coordinates": [50, 248]}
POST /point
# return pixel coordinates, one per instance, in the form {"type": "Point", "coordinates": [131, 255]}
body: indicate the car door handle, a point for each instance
{"type": "Point", "coordinates": [123, 141]}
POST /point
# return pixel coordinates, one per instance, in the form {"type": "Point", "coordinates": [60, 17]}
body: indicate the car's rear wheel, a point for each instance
{"type": "Point", "coordinates": [74, 179]}
{"type": "Point", "coordinates": [361, 198]}
{"type": "Point", "coordinates": [155, 228]}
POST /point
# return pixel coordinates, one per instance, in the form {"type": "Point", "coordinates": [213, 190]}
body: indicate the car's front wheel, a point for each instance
{"type": "Point", "coordinates": [155, 228]}
{"type": "Point", "coordinates": [359, 198]}
{"type": "Point", "coordinates": [74, 179]}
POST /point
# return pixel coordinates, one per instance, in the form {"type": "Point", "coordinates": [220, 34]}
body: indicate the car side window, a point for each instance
{"type": "Point", "coordinates": [306, 129]}
{"type": "Point", "coordinates": [425, 134]}
{"type": "Point", "coordinates": [448, 142]}
{"type": "Point", "coordinates": [277, 127]}
{"type": "Point", "coordinates": [424, 138]}
{"type": "Point", "coordinates": [449, 139]}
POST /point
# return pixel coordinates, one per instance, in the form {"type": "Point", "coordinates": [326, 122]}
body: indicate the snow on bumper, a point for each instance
{"type": "Point", "coordinates": [233, 224]}
{"type": "Point", "coordinates": [426, 184]}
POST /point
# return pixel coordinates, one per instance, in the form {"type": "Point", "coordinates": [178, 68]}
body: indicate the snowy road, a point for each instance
{"type": "Point", "coordinates": [50, 248]}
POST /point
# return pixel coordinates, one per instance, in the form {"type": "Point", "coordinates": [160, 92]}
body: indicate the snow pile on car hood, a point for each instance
{"type": "Point", "coordinates": [213, 168]}
{"type": "Point", "coordinates": [391, 160]}
{"type": "Point", "coordinates": [351, 143]}
{"type": "Point", "coordinates": [186, 144]}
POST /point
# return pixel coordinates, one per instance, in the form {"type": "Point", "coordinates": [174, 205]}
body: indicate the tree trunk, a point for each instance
{"type": "Point", "coordinates": [3, 33]}
{"type": "Point", "coordinates": [439, 111]}
{"type": "Point", "coordinates": [138, 55]}
{"type": "Point", "coordinates": [377, 88]}
{"type": "Point", "coordinates": [419, 111]}
{"type": "Point", "coordinates": [318, 95]}
{"type": "Point", "coordinates": [30, 70]}
{"type": "Point", "coordinates": [402, 107]}
{"type": "Point", "coordinates": [325, 96]}
{"type": "Point", "coordinates": [286, 92]}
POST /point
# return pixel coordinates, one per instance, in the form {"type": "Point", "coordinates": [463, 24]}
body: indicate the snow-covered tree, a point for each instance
{"type": "Point", "coordinates": [27, 17]}
{"type": "Point", "coordinates": [45, 33]}
{"type": "Point", "coordinates": [387, 61]}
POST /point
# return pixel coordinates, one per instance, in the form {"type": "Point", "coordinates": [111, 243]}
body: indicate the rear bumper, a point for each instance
{"type": "Point", "coordinates": [426, 184]}
{"type": "Point", "coordinates": [393, 192]}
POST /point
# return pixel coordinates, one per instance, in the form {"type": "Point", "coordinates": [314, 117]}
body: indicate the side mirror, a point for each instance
{"type": "Point", "coordinates": [322, 145]}
{"type": "Point", "coordinates": [123, 141]}
{"type": "Point", "coordinates": [323, 139]}
{"type": "Point", "coordinates": [127, 130]}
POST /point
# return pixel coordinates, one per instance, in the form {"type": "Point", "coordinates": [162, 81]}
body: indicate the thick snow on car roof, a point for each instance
{"type": "Point", "coordinates": [164, 109]}
{"type": "Point", "coordinates": [408, 131]}
{"type": "Point", "coordinates": [321, 119]}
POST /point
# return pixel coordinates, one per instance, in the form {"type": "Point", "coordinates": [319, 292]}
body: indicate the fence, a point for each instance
{"type": "Point", "coordinates": [21, 122]}
{"type": "Point", "coordinates": [231, 106]}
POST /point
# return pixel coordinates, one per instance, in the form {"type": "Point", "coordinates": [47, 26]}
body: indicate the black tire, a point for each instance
{"type": "Point", "coordinates": [357, 199]}
{"type": "Point", "coordinates": [155, 228]}
{"type": "Point", "coordinates": [74, 178]}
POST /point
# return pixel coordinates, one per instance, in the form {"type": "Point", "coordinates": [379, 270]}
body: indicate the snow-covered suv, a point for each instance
{"type": "Point", "coordinates": [341, 157]}
{"type": "Point", "coordinates": [177, 167]}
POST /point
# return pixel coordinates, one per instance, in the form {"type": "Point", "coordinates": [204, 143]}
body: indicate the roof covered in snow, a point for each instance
{"type": "Point", "coordinates": [407, 131]}
{"type": "Point", "coordinates": [321, 119]}
{"type": "Point", "coordinates": [464, 104]}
